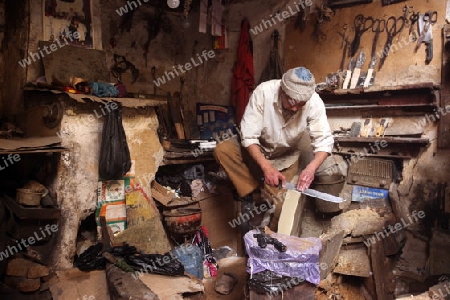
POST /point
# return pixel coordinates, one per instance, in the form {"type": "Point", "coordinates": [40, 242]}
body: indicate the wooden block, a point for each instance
{"type": "Point", "coordinates": [37, 271]}
{"type": "Point", "coordinates": [378, 263]}
{"type": "Point", "coordinates": [291, 213]}
{"type": "Point", "coordinates": [29, 285]}
{"type": "Point", "coordinates": [122, 285]}
{"type": "Point", "coordinates": [18, 267]}
{"type": "Point", "coordinates": [353, 262]}
{"type": "Point", "coordinates": [331, 246]}
{"type": "Point", "coordinates": [439, 259]}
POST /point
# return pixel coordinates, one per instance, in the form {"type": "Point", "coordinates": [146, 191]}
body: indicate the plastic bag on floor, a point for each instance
{"type": "Point", "coordinates": [300, 260]}
{"type": "Point", "coordinates": [268, 282]}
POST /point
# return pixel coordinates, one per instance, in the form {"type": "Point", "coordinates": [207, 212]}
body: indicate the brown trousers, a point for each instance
{"type": "Point", "coordinates": [247, 176]}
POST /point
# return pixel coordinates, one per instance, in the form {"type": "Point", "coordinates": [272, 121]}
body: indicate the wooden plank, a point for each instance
{"type": "Point", "coordinates": [291, 213]}
{"type": "Point", "coordinates": [379, 271]}
{"type": "Point", "coordinates": [439, 259]}
{"type": "Point", "coordinates": [331, 246]}
{"type": "Point", "coordinates": [353, 262]}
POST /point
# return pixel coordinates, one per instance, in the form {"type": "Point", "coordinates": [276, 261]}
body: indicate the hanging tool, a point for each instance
{"type": "Point", "coordinates": [344, 45]}
{"type": "Point", "coordinates": [362, 24]}
{"type": "Point", "coordinates": [447, 12]}
{"type": "Point", "coordinates": [407, 10]}
{"type": "Point", "coordinates": [393, 27]}
{"type": "Point", "coordinates": [154, 79]}
{"type": "Point", "coordinates": [426, 22]}
{"type": "Point", "coordinates": [302, 18]}
{"type": "Point", "coordinates": [372, 64]}
{"type": "Point", "coordinates": [357, 72]}
{"type": "Point", "coordinates": [379, 25]}
{"type": "Point", "coordinates": [413, 19]}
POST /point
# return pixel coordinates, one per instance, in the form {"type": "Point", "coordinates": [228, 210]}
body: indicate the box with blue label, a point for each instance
{"type": "Point", "coordinates": [377, 199]}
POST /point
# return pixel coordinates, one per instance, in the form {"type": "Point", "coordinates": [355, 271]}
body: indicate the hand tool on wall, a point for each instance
{"type": "Point", "coordinates": [425, 23]}
{"type": "Point", "coordinates": [367, 128]}
{"type": "Point", "coordinates": [370, 71]}
{"type": "Point", "coordinates": [345, 44]}
{"type": "Point", "coordinates": [380, 128]}
{"type": "Point", "coordinates": [393, 27]}
{"type": "Point", "coordinates": [357, 72]}
{"type": "Point", "coordinates": [447, 12]}
{"type": "Point", "coordinates": [413, 20]}
{"type": "Point", "coordinates": [348, 75]}
{"type": "Point", "coordinates": [362, 24]}
{"type": "Point", "coordinates": [379, 25]}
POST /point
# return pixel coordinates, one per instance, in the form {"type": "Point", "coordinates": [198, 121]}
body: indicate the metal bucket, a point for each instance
{"type": "Point", "coordinates": [330, 184]}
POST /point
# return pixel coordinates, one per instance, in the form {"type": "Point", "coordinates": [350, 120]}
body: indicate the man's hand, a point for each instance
{"type": "Point", "coordinates": [273, 177]}
{"type": "Point", "coordinates": [305, 178]}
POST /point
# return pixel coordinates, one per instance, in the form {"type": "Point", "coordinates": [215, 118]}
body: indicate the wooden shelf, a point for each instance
{"type": "Point", "coordinates": [416, 97]}
{"type": "Point", "coordinates": [31, 145]}
{"type": "Point", "coordinates": [49, 150]}
{"type": "Point", "coordinates": [31, 213]}
{"type": "Point", "coordinates": [389, 156]}
{"type": "Point", "coordinates": [376, 106]}
{"type": "Point", "coordinates": [389, 140]}
{"type": "Point", "coordinates": [425, 86]}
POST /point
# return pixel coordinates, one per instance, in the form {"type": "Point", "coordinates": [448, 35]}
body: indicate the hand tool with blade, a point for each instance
{"type": "Point", "coordinates": [447, 12]}
{"type": "Point", "coordinates": [345, 44]}
{"type": "Point", "coordinates": [348, 75]}
{"type": "Point", "coordinates": [362, 24]}
{"type": "Point", "coordinates": [425, 24]}
{"type": "Point", "coordinates": [372, 64]}
{"type": "Point", "coordinates": [393, 27]}
{"type": "Point", "coordinates": [357, 72]}
{"type": "Point", "coordinates": [381, 128]}
{"type": "Point", "coordinates": [378, 27]}
{"type": "Point", "coordinates": [314, 193]}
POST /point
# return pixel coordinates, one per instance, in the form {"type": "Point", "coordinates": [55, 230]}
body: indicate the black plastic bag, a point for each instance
{"type": "Point", "coordinates": [115, 160]}
{"type": "Point", "coordinates": [156, 264]}
{"type": "Point", "coordinates": [268, 282]}
{"type": "Point", "coordinates": [91, 259]}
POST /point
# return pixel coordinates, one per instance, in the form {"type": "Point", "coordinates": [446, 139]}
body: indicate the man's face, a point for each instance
{"type": "Point", "coordinates": [288, 101]}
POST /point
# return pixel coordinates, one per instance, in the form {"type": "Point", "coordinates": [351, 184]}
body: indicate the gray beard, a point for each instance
{"type": "Point", "coordinates": [287, 114]}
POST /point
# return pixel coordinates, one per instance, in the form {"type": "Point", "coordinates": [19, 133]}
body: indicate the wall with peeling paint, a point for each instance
{"type": "Point", "coordinates": [77, 175]}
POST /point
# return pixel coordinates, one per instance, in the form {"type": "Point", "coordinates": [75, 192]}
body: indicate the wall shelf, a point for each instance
{"type": "Point", "coordinates": [388, 140]}
{"type": "Point", "coordinates": [388, 156]}
{"type": "Point", "coordinates": [418, 97]}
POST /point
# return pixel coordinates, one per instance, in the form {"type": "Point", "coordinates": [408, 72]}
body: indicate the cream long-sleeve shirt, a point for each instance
{"type": "Point", "coordinates": [263, 124]}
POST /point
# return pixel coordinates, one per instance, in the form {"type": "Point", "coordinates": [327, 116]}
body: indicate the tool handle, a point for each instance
{"type": "Point", "coordinates": [368, 78]}
{"type": "Point", "coordinates": [429, 45]}
{"type": "Point", "coordinates": [348, 75]}
{"type": "Point", "coordinates": [355, 78]}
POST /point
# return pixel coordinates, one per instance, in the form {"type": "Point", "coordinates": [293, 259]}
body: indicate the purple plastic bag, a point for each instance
{"type": "Point", "coordinates": [300, 260]}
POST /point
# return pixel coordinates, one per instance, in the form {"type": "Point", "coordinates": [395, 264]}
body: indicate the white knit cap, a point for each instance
{"type": "Point", "coordinates": [298, 84]}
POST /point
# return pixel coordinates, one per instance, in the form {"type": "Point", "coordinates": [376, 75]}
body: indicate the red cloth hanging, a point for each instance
{"type": "Point", "coordinates": [243, 82]}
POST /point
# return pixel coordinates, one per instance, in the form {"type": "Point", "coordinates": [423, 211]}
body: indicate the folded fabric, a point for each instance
{"type": "Point", "coordinates": [103, 89]}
